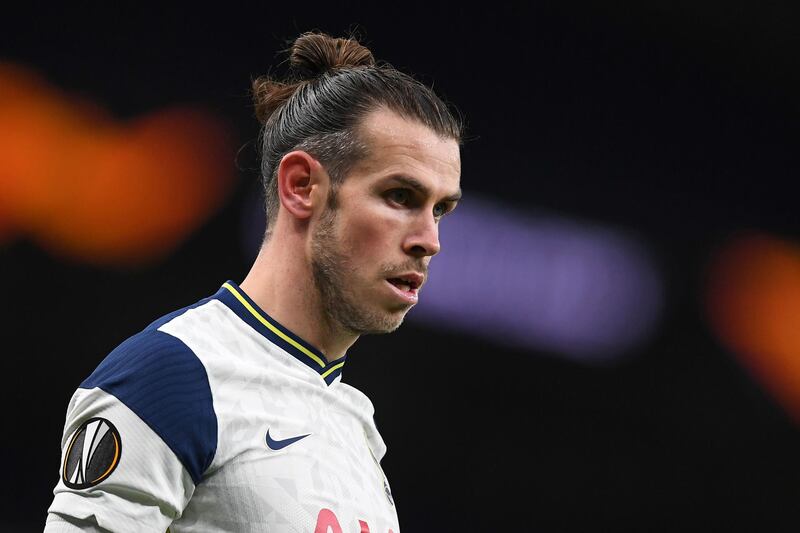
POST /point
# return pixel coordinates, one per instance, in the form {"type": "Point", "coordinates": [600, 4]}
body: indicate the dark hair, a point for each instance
{"type": "Point", "coordinates": [331, 85]}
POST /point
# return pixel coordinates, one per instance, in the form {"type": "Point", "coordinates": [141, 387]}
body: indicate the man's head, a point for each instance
{"type": "Point", "coordinates": [384, 151]}
{"type": "Point", "coordinates": [332, 85]}
{"type": "Point", "coordinates": [370, 252]}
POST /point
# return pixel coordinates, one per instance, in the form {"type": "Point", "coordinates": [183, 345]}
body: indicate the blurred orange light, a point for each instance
{"type": "Point", "coordinates": [93, 189]}
{"type": "Point", "coordinates": [754, 306]}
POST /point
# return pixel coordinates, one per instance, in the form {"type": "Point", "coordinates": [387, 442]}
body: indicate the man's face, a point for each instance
{"type": "Point", "coordinates": [370, 252]}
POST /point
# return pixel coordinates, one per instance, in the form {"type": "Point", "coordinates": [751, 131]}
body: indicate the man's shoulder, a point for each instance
{"type": "Point", "coordinates": [148, 355]}
{"type": "Point", "coordinates": [141, 358]}
{"type": "Point", "coordinates": [178, 313]}
{"type": "Point", "coordinates": [160, 379]}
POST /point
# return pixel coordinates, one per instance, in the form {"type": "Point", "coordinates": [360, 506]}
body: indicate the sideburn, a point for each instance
{"type": "Point", "coordinates": [333, 198]}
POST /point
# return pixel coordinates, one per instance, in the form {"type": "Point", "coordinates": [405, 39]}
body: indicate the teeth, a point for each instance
{"type": "Point", "coordinates": [404, 286]}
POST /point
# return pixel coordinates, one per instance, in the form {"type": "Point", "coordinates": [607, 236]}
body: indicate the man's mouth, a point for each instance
{"type": "Point", "coordinates": [406, 286]}
{"type": "Point", "coordinates": [406, 283]}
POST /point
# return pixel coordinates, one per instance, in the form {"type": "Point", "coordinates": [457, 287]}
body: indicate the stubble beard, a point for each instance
{"type": "Point", "coordinates": [333, 274]}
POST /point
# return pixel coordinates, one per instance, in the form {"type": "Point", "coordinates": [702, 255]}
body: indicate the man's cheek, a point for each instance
{"type": "Point", "coordinates": [368, 238]}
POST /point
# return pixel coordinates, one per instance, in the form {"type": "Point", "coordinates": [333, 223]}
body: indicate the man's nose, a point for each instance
{"type": "Point", "coordinates": [423, 240]}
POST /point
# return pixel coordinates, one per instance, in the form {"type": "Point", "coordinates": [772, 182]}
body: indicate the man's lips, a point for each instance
{"type": "Point", "coordinates": [407, 281]}
{"type": "Point", "coordinates": [406, 285]}
{"type": "Point", "coordinates": [404, 291]}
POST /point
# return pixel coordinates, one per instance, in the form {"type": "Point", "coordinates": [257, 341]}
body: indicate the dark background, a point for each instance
{"type": "Point", "coordinates": [676, 120]}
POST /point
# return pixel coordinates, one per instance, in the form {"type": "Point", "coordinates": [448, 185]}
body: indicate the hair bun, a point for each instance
{"type": "Point", "coordinates": [314, 54]}
{"type": "Point", "coordinates": [269, 95]}
{"type": "Point", "coordinates": [310, 56]}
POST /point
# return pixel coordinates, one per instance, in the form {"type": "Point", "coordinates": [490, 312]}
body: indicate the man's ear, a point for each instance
{"type": "Point", "coordinates": [299, 175]}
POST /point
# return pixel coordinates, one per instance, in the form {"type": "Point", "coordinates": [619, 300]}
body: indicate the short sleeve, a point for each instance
{"type": "Point", "coordinates": [139, 433]}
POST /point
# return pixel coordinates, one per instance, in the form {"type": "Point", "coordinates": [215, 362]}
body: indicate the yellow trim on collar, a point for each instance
{"type": "Point", "coordinates": [331, 369]}
{"type": "Point", "coordinates": [276, 331]}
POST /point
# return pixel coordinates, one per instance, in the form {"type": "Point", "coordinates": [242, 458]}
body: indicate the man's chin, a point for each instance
{"type": "Point", "coordinates": [383, 331]}
{"type": "Point", "coordinates": [391, 322]}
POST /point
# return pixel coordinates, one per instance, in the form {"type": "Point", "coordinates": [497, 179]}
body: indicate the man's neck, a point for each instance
{"type": "Point", "coordinates": [281, 283]}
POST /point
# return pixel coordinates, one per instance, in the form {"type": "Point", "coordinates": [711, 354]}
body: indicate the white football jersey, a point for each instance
{"type": "Point", "coordinates": [217, 418]}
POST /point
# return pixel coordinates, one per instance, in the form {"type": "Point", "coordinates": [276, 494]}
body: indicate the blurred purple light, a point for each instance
{"type": "Point", "coordinates": [542, 282]}
{"type": "Point", "coordinates": [547, 283]}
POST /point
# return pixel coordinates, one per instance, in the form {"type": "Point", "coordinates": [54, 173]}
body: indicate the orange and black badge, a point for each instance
{"type": "Point", "coordinates": [92, 454]}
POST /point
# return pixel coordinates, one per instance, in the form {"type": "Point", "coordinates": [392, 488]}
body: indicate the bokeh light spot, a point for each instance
{"type": "Point", "coordinates": [753, 303]}
{"type": "Point", "coordinates": [94, 189]}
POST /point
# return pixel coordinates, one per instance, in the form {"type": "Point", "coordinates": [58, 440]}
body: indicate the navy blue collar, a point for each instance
{"type": "Point", "coordinates": [235, 298]}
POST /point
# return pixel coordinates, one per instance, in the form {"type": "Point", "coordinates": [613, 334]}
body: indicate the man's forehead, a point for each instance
{"type": "Point", "coordinates": [384, 126]}
{"type": "Point", "coordinates": [395, 140]}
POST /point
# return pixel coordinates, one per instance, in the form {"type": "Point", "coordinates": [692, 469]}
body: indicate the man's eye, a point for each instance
{"type": "Point", "coordinates": [399, 196]}
{"type": "Point", "coordinates": [439, 210]}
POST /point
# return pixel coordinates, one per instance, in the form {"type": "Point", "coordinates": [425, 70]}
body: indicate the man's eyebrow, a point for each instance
{"type": "Point", "coordinates": [421, 188]}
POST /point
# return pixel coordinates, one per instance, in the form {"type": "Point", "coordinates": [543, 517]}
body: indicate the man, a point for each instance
{"type": "Point", "coordinates": [230, 414]}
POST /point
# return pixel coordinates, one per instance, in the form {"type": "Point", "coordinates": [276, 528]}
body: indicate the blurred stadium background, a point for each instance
{"type": "Point", "coordinates": [610, 340]}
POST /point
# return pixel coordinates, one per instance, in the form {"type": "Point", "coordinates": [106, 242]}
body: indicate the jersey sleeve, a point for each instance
{"type": "Point", "coordinates": [139, 434]}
